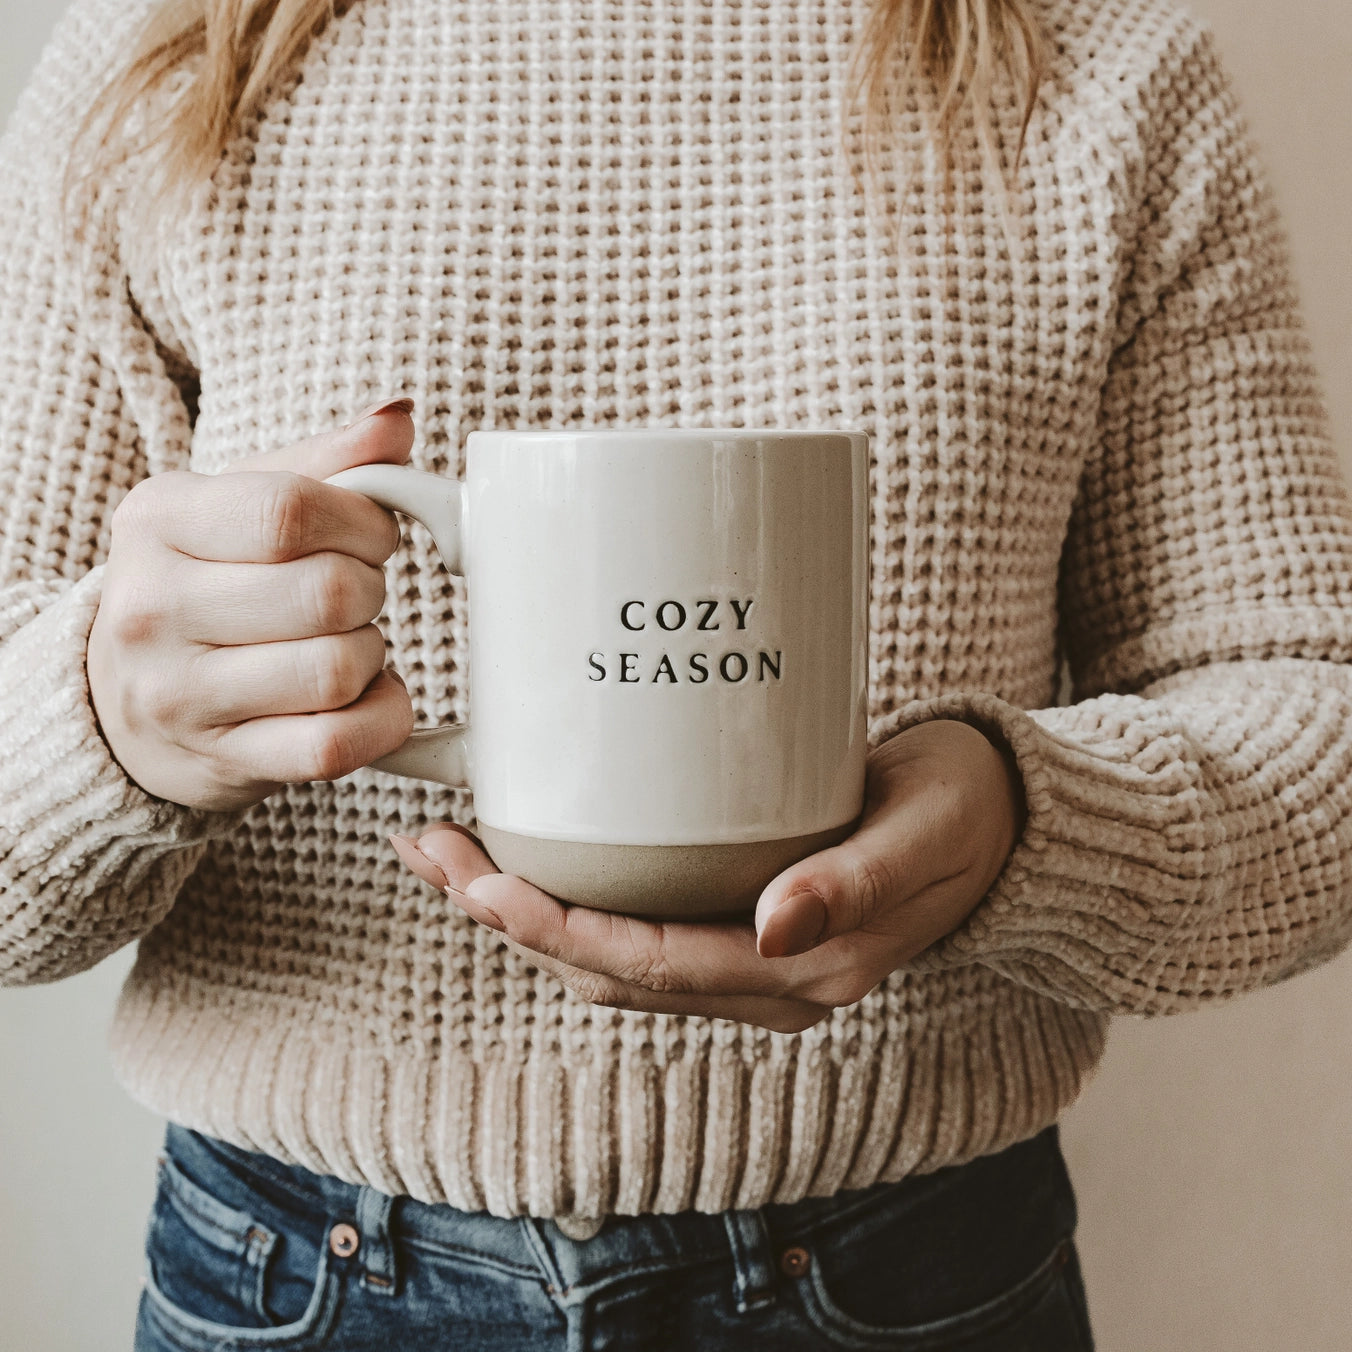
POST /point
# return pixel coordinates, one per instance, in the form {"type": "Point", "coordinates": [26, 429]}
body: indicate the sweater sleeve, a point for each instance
{"type": "Point", "coordinates": [90, 402]}
{"type": "Point", "coordinates": [1189, 830]}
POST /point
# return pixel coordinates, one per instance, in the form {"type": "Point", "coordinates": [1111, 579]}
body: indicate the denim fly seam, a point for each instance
{"type": "Point", "coordinates": [379, 1272]}
{"type": "Point", "coordinates": [754, 1274]}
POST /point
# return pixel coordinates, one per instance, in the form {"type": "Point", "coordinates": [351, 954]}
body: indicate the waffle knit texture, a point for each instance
{"type": "Point", "coordinates": [1096, 439]}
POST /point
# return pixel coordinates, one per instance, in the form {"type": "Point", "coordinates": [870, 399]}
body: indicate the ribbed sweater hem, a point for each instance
{"type": "Point", "coordinates": [546, 1135]}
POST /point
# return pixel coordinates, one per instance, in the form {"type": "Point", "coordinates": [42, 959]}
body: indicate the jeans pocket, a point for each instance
{"type": "Point", "coordinates": [976, 1256]}
{"type": "Point", "coordinates": [1035, 1312]}
{"type": "Point", "coordinates": [209, 1276]}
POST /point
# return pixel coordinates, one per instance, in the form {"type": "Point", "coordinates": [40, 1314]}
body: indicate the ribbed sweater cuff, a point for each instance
{"type": "Point", "coordinates": [80, 837]}
{"type": "Point", "coordinates": [1110, 858]}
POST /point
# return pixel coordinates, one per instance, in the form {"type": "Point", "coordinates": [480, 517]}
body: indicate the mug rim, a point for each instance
{"type": "Point", "coordinates": [693, 433]}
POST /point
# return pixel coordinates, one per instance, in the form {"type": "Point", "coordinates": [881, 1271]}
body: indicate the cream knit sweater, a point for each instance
{"type": "Point", "coordinates": [1099, 439]}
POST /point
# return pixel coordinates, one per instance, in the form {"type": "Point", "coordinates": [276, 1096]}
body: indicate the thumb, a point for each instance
{"type": "Point", "coordinates": [381, 434]}
{"type": "Point", "coordinates": [827, 894]}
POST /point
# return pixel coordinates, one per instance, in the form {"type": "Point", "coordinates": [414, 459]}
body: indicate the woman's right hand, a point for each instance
{"type": "Point", "coordinates": [233, 650]}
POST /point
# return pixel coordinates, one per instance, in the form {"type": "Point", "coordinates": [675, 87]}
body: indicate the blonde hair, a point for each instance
{"type": "Point", "coordinates": [226, 57]}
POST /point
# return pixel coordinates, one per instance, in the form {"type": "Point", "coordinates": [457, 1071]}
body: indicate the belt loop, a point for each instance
{"type": "Point", "coordinates": [749, 1241]}
{"type": "Point", "coordinates": [377, 1253]}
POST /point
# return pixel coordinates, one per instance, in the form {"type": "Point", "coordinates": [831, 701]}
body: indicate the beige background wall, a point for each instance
{"type": "Point", "coordinates": [1212, 1154]}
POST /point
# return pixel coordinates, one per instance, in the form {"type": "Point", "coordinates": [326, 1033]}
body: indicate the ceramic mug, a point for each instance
{"type": "Point", "coordinates": [668, 655]}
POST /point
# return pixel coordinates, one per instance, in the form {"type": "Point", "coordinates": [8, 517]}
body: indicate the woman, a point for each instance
{"type": "Point", "coordinates": [1043, 271]}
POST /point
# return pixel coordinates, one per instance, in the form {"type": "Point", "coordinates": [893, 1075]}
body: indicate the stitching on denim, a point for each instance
{"type": "Point", "coordinates": [529, 1228]}
{"type": "Point", "coordinates": [1047, 1139]}
{"type": "Point", "coordinates": [438, 1247]}
{"type": "Point", "coordinates": [594, 1281]}
{"type": "Point", "coordinates": [861, 1204]}
{"type": "Point", "coordinates": [621, 1272]}
{"type": "Point", "coordinates": [251, 1161]}
{"type": "Point", "coordinates": [199, 1335]}
{"type": "Point", "coordinates": [183, 1191]}
{"type": "Point", "coordinates": [983, 1319]}
{"type": "Point", "coordinates": [743, 1259]}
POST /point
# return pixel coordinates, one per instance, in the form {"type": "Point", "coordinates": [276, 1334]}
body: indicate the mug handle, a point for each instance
{"type": "Point", "coordinates": [439, 754]}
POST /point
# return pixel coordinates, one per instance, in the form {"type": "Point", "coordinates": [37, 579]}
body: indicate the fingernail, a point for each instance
{"type": "Point", "coordinates": [794, 926]}
{"type": "Point", "coordinates": [407, 850]}
{"type": "Point", "coordinates": [476, 910]}
{"type": "Point", "coordinates": [404, 405]}
{"type": "Point", "coordinates": [390, 671]}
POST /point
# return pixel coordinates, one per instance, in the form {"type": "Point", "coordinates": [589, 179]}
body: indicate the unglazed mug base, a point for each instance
{"type": "Point", "coordinates": [662, 881]}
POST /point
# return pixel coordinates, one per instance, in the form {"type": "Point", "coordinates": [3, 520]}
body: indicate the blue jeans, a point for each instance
{"type": "Point", "coordinates": [246, 1253]}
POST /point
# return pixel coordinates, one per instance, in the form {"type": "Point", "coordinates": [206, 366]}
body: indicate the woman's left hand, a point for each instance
{"type": "Point", "coordinates": [943, 808]}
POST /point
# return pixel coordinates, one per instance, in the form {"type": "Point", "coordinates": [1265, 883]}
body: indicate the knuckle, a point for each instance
{"type": "Point", "coordinates": [231, 768]}
{"type": "Point", "coordinates": [390, 535]}
{"type": "Point", "coordinates": [142, 505]}
{"type": "Point", "coordinates": [283, 507]}
{"type": "Point", "coordinates": [128, 515]}
{"type": "Point", "coordinates": [134, 614]}
{"type": "Point", "coordinates": [336, 594]}
{"type": "Point", "coordinates": [870, 885]}
{"type": "Point", "coordinates": [597, 989]}
{"type": "Point", "coordinates": [402, 727]}
{"type": "Point", "coordinates": [394, 535]}
{"type": "Point", "coordinates": [651, 968]}
{"type": "Point", "coordinates": [338, 676]}
{"type": "Point", "coordinates": [162, 700]}
{"type": "Point", "coordinates": [333, 753]}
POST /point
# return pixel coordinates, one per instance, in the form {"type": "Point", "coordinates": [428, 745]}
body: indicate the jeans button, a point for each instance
{"type": "Point", "coordinates": [344, 1240]}
{"type": "Point", "coordinates": [580, 1228]}
{"type": "Point", "coordinates": [795, 1261]}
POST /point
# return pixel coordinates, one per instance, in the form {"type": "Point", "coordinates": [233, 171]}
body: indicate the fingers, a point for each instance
{"type": "Point", "coordinates": [711, 957]}
{"type": "Point", "coordinates": [795, 925]}
{"type": "Point", "coordinates": [239, 603]}
{"type": "Point", "coordinates": [908, 838]}
{"type": "Point", "coordinates": [281, 575]}
{"type": "Point", "coordinates": [462, 858]}
{"type": "Point", "coordinates": [778, 1015]}
{"type": "Point", "coordinates": [256, 518]}
{"type": "Point", "coordinates": [457, 854]}
{"type": "Point", "coordinates": [382, 434]}
{"type": "Point", "coordinates": [902, 880]}
{"type": "Point", "coordinates": [689, 967]}
{"type": "Point", "coordinates": [874, 878]}
{"type": "Point", "coordinates": [407, 850]}
{"type": "Point", "coordinates": [675, 958]}
{"type": "Point", "coordinates": [272, 508]}
{"type": "Point", "coordinates": [832, 893]}
{"type": "Point", "coordinates": [293, 748]}
{"type": "Point", "coordinates": [231, 685]}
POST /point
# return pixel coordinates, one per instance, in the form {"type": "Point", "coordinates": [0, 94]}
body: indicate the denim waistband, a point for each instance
{"type": "Point", "coordinates": [530, 1246]}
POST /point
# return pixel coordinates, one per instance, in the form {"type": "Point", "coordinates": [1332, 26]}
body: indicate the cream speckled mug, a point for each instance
{"type": "Point", "coordinates": [668, 654]}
